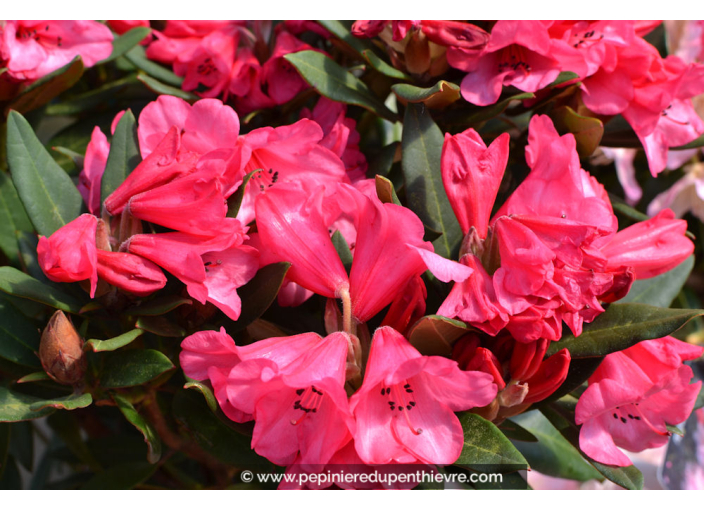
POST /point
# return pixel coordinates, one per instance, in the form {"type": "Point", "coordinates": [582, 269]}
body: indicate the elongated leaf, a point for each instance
{"type": "Point", "coordinates": [48, 87]}
{"type": "Point", "coordinates": [440, 95]}
{"type": "Point", "coordinates": [385, 191]}
{"type": "Point", "coordinates": [422, 147]}
{"type": "Point", "coordinates": [341, 30]}
{"type": "Point", "coordinates": [121, 477]}
{"type": "Point", "coordinates": [489, 112]}
{"type": "Point", "coordinates": [113, 343]}
{"type": "Point", "coordinates": [163, 89]}
{"type": "Point", "coordinates": [125, 42]}
{"type": "Point", "coordinates": [16, 406]}
{"type": "Point", "coordinates": [564, 77]}
{"type": "Point", "coordinates": [586, 130]}
{"type": "Point", "coordinates": [13, 218]}
{"type": "Point", "coordinates": [622, 326]}
{"type": "Point", "coordinates": [513, 430]}
{"type": "Point", "coordinates": [158, 306]}
{"type": "Point", "coordinates": [235, 201]}
{"type": "Point", "coordinates": [19, 337]}
{"type": "Point", "coordinates": [660, 290]}
{"type": "Point", "coordinates": [34, 377]}
{"type": "Point", "coordinates": [205, 390]}
{"type": "Point", "coordinates": [382, 67]}
{"type": "Point", "coordinates": [434, 335]}
{"type": "Point", "coordinates": [343, 250]}
{"type": "Point", "coordinates": [150, 436]}
{"type": "Point", "coordinates": [92, 99]}
{"type": "Point", "coordinates": [122, 369]}
{"type": "Point", "coordinates": [580, 370]}
{"type": "Point", "coordinates": [124, 155]}
{"type": "Point", "coordinates": [17, 283]}
{"type": "Point", "coordinates": [160, 326]}
{"type": "Point", "coordinates": [47, 192]}
{"type": "Point", "coordinates": [552, 455]}
{"type": "Point", "coordinates": [485, 445]}
{"type": "Point", "coordinates": [334, 82]}
{"type": "Point", "coordinates": [138, 57]}
{"type": "Point", "coordinates": [74, 401]}
{"type": "Point", "coordinates": [258, 294]}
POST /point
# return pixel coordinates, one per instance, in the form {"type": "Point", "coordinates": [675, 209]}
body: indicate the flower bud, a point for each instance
{"type": "Point", "coordinates": [61, 351]}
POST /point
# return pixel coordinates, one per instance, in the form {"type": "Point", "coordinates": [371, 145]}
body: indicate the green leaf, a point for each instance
{"type": "Point", "coordinates": [586, 130]}
{"type": "Point", "coordinates": [552, 455]}
{"type": "Point", "coordinates": [214, 436]}
{"type": "Point", "coordinates": [13, 218]}
{"type": "Point", "coordinates": [343, 250]}
{"type": "Point", "coordinates": [160, 326]}
{"type": "Point", "coordinates": [422, 147]}
{"type": "Point", "coordinates": [626, 210]}
{"type": "Point", "coordinates": [383, 161]}
{"type": "Point", "coordinates": [122, 369]}
{"type": "Point", "coordinates": [513, 430]}
{"type": "Point", "coordinates": [485, 445]}
{"type": "Point", "coordinates": [489, 112]}
{"type": "Point", "coordinates": [122, 477]}
{"type": "Point", "coordinates": [137, 56]}
{"type": "Point", "coordinates": [47, 192]}
{"type": "Point", "coordinates": [660, 290]}
{"type": "Point", "coordinates": [235, 201]}
{"type": "Point", "coordinates": [158, 306]}
{"type": "Point", "coordinates": [563, 77]}
{"type": "Point", "coordinates": [34, 377]}
{"type": "Point", "coordinates": [440, 95]}
{"type": "Point", "coordinates": [93, 99]}
{"type": "Point", "coordinates": [163, 89]}
{"type": "Point", "coordinates": [434, 335]}
{"type": "Point", "coordinates": [70, 402]}
{"type": "Point", "coordinates": [19, 337]}
{"type": "Point", "coordinates": [385, 191]}
{"type": "Point", "coordinates": [123, 157]}
{"type": "Point", "coordinates": [205, 390]}
{"type": "Point", "coordinates": [48, 87]}
{"type": "Point", "coordinates": [341, 30]}
{"type": "Point", "coordinates": [125, 42]}
{"type": "Point", "coordinates": [17, 283]}
{"type": "Point", "coordinates": [623, 326]}
{"type": "Point", "coordinates": [672, 429]}
{"type": "Point", "coordinates": [382, 67]}
{"type": "Point", "coordinates": [258, 294]}
{"type": "Point", "coordinates": [113, 343]}
{"type": "Point", "coordinates": [150, 436]}
{"type": "Point", "coordinates": [334, 82]}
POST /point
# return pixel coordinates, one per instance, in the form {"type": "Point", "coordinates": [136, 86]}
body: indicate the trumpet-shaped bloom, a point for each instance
{"type": "Point", "coordinates": [633, 396]}
{"type": "Point", "coordinates": [130, 272]}
{"type": "Point", "coordinates": [405, 409]}
{"type": "Point", "coordinates": [93, 167]}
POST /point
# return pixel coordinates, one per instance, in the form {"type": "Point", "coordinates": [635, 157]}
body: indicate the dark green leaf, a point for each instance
{"type": "Point", "coordinates": [125, 42]}
{"type": "Point", "coordinates": [95, 98]}
{"type": "Point", "coordinates": [70, 402]}
{"type": "Point", "coordinates": [489, 112]}
{"type": "Point", "coordinates": [214, 436]}
{"type": "Point", "coordinates": [235, 201]}
{"type": "Point", "coordinates": [564, 77]}
{"type": "Point", "coordinates": [586, 130]}
{"type": "Point", "coordinates": [122, 369]}
{"type": "Point", "coordinates": [150, 436]}
{"type": "Point", "coordinates": [48, 87]}
{"type": "Point", "coordinates": [422, 147]}
{"type": "Point", "coordinates": [580, 370]}
{"type": "Point", "coordinates": [15, 406]}
{"type": "Point", "coordinates": [623, 326]}
{"type": "Point", "coordinates": [485, 445]}
{"type": "Point", "coordinates": [385, 191]}
{"type": "Point", "coordinates": [122, 477]}
{"type": "Point", "coordinates": [513, 430]}
{"type": "Point", "coordinates": [343, 250]}
{"type": "Point", "coordinates": [334, 82]}
{"type": "Point", "coordinates": [205, 390]}
{"type": "Point", "coordinates": [341, 30]}
{"type": "Point", "coordinates": [113, 343]}
{"type": "Point", "coordinates": [381, 164]}
{"type": "Point", "coordinates": [160, 326]}
{"type": "Point", "coordinates": [258, 294]}
{"type": "Point", "coordinates": [440, 95]}
{"type": "Point", "coordinates": [552, 455]}
{"type": "Point", "coordinates": [123, 157]}
{"type": "Point", "coordinates": [17, 283]}
{"type": "Point", "coordinates": [626, 210]}
{"type": "Point", "coordinates": [34, 377]}
{"type": "Point", "coordinates": [13, 218]}
{"type": "Point", "coordinates": [660, 290]}
{"type": "Point", "coordinates": [163, 89]}
{"type": "Point", "coordinates": [19, 337]}
{"type": "Point", "coordinates": [382, 67]}
{"type": "Point", "coordinates": [434, 335]}
{"type": "Point", "coordinates": [138, 57]}
{"type": "Point", "coordinates": [47, 192]}
{"type": "Point", "coordinates": [158, 306]}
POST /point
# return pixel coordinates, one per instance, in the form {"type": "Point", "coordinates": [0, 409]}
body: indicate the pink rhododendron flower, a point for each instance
{"type": "Point", "coordinates": [686, 195]}
{"type": "Point", "coordinates": [130, 272]}
{"type": "Point", "coordinates": [121, 26]}
{"type": "Point", "coordinates": [70, 254]}
{"type": "Point", "coordinates": [405, 407]}
{"type": "Point", "coordinates": [93, 167]}
{"type": "Point", "coordinates": [633, 395]}
{"type": "Point", "coordinates": [33, 49]}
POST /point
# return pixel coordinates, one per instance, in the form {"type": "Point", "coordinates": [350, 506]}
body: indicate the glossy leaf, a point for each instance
{"type": "Point", "coordinates": [138, 58]}
{"type": "Point", "coordinates": [17, 283]}
{"type": "Point", "coordinates": [440, 95]}
{"type": "Point", "coordinates": [47, 192]}
{"type": "Point", "coordinates": [205, 390]}
{"type": "Point", "coordinates": [422, 147]}
{"type": "Point", "coordinates": [113, 343]}
{"type": "Point", "coordinates": [623, 326]}
{"type": "Point", "coordinates": [341, 30]}
{"type": "Point", "coordinates": [150, 436]}
{"type": "Point", "coordinates": [564, 77]}
{"type": "Point", "coordinates": [125, 42]}
{"type": "Point", "coordinates": [343, 250]}
{"type": "Point", "coordinates": [336, 83]}
{"type": "Point", "coordinates": [587, 131]}
{"type": "Point", "coordinates": [489, 112]}
{"type": "Point", "coordinates": [160, 326]}
{"type": "Point", "coordinates": [164, 89]}
{"type": "Point", "coordinates": [19, 337]}
{"type": "Point", "coordinates": [513, 430]}
{"type": "Point", "coordinates": [485, 445]}
{"type": "Point", "coordinates": [434, 335]}
{"type": "Point", "coordinates": [124, 155]}
{"type": "Point", "coordinates": [34, 377]}
{"type": "Point", "coordinates": [13, 218]}
{"type": "Point", "coordinates": [48, 87]}
{"type": "Point", "coordinates": [382, 67]}
{"type": "Point", "coordinates": [552, 455]}
{"type": "Point", "coordinates": [16, 406]}
{"type": "Point", "coordinates": [258, 294]}
{"type": "Point", "coordinates": [660, 290]}
{"type": "Point", "coordinates": [158, 306]}
{"type": "Point", "coordinates": [123, 369]}
{"type": "Point", "coordinates": [70, 402]}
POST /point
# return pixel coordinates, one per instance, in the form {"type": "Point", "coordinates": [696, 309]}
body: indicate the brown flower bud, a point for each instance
{"type": "Point", "coordinates": [61, 351]}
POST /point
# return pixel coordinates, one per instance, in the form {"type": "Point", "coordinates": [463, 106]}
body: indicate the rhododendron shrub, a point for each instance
{"type": "Point", "coordinates": [370, 247]}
